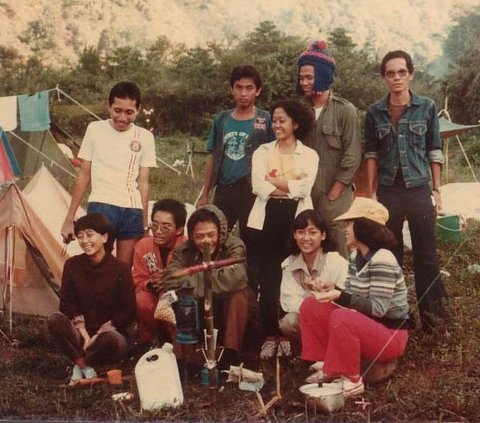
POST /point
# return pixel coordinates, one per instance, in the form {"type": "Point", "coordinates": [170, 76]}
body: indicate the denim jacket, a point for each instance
{"type": "Point", "coordinates": [412, 146]}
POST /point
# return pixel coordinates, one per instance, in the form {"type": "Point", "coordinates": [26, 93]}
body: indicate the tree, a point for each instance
{"type": "Point", "coordinates": [463, 88]}
{"type": "Point", "coordinates": [38, 36]}
{"type": "Point", "coordinates": [90, 61]}
{"type": "Point", "coordinates": [462, 36]}
{"type": "Point", "coordinates": [462, 83]}
{"type": "Point", "coordinates": [163, 51]}
{"type": "Point", "coordinates": [11, 70]}
{"type": "Point", "coordinates": [274, 54]}
{"type": "Point", "coordinates": [356, 78]}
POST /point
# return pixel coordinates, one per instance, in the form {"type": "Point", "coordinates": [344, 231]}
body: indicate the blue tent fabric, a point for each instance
{"type": "Point", "coordinates": [34, 111]}
{"type": "Point", "coordinates": [10, 154]}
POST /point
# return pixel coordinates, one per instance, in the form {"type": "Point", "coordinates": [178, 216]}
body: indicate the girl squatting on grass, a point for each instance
{"type": "Point", "coordinates": [313, 257]}
{"type": "Point", "coordinates": [368, 318]}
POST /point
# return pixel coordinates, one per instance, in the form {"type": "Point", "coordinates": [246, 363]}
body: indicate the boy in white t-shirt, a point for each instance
{"type": "Point", "coordinates": [116, 157]}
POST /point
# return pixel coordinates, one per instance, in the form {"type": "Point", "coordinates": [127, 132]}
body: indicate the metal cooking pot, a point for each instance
{"type": "Point", "coordinates": [326, 398]}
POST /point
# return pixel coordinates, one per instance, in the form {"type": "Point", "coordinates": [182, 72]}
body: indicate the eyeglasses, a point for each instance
{"type": "Point", "coordinates": [402, 73]}
{"type": "Point", "coordinates": [164, 227]}
{"type": "Point", "coordinates": [302, 233]}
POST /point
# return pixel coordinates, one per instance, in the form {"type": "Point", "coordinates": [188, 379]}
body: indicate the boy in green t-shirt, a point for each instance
{"type": "Point", "coordinates": [233, 137]}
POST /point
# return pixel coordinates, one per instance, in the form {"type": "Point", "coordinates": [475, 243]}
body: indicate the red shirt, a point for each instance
{"type": "Point", "coordinates": [141, 273]}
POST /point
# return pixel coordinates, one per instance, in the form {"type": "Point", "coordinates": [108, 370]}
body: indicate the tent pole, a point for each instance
{"type": "Point", "coordinates": [42, 154]}
{"type": "Point", "coordinates": [9, 269]}
{"type": "Point", "coordinates": [444, 111]}
{"type": "Point", "coordinates": [77, 103]}
{"type": "Point", "coordinates": [466, 158]}
{"type": "Point", "coordinates": [446, 159]}
{"type": "Point", "coordinates": [57, 88]}
{"type": "Point", "coordinates": [168, 165]}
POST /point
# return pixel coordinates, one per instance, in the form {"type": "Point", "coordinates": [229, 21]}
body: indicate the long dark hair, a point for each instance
{"type": "Point", "coordinates": [305, 218]}
{"type": "Point", "coordinates": [374, 235]}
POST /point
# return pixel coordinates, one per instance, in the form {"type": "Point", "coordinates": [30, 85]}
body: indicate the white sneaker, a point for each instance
{"type": "Point", "coordinates": [89, 372]}
{"type": "Point", "coordinates": [318, 365]}
{"type": "Point", "coordinates": [317, 377]}
{"type": "Point", "coordinates": [76, 374]}
{"type": "Point", "coordinates": [351, 389]}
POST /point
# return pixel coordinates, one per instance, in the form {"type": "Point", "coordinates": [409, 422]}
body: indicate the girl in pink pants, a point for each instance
{"type": "Point", "coordinates": [370, 316]}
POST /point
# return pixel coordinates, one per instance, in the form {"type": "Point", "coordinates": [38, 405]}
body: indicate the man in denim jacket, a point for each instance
{"type": "Point", "coordinates": [404, 152]}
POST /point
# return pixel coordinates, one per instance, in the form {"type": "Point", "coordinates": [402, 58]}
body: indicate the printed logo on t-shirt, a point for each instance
{"type": "Point", "coordinates": [235, 145]}
{"type": "Point", "coordinates": [135, 146]}
{"type": "Point", "coordinates": [260, 123]}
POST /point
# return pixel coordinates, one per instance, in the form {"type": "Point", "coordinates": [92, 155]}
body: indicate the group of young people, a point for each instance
{"type": "Point", "coordinates": [324, 266]}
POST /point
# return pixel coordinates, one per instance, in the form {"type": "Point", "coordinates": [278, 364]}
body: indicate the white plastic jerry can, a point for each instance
{"type": "Point", "coordinates": [158, 380]}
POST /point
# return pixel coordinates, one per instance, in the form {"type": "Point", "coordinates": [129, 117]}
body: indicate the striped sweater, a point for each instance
{"type": "Point", "coordinates": [377, 290]}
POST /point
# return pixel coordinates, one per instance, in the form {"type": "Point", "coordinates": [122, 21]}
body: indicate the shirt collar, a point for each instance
{"type": "Point", "coordinates": [298, 148]}
{"type": "Point", "coordinates": [298, 263]}
{"type": "Point", "coordinates": [414, 100]}
{"type": "Point", "coordinates": [361, 261]}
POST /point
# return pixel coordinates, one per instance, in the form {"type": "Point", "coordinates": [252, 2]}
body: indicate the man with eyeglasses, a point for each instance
{"type": "Point", "coordinates": [151, 256]}
{"type": "Point", "coordinates": [404, 153]}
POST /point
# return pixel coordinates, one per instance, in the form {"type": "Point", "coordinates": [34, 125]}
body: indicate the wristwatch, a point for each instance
{"type": "Point", "coordinates": [436, 190]}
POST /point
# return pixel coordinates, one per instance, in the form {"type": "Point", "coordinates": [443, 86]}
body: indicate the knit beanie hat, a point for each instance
{"type": "Point", "coordinates": [317, 56]}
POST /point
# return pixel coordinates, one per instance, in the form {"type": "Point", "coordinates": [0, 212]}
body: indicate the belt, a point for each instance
{"type": "Point", "coordinates": [283, 200]}
{"type": "Point", "coordinates": [241, 181]}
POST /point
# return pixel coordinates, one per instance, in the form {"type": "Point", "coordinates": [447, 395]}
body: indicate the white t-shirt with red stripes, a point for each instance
{"type": "Point", "coordinates": [116, 158]}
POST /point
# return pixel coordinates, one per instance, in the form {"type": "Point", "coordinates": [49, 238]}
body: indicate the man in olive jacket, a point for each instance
{"type": "Point", "coordinates": [233, 301]}
{"type": "Point", "coordinates": [335, 137]}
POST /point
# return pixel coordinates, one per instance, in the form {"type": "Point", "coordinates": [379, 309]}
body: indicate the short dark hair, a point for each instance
{"type": "Point", "coordinates": [176, 208]}
{"type": "Point", "coordinates": [396, 54]}
{"type": "Point", "coordinates": [245, 71]}
{"type": "Point", "coordinates": [300, 113]}
{"type": "Point", "coordinates": [373, 234]}
{"type": "Point", "coordinates": [96, 222]}
{"type": "Point", "coordinates": [125, 89]}
{"type": "Point", "coordinates": [202, 215]}
{"type": "Point", "coordinates": [302, 221]}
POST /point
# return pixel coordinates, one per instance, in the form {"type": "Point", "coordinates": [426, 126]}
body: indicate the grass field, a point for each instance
{"type": "Point", "coordinates": [438, 378]}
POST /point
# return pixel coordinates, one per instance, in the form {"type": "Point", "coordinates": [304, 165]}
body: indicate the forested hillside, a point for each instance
{"type": "Point", "coordinates": [185, 85]}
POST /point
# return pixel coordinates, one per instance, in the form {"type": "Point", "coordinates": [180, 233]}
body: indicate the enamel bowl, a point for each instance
{"type": "Point", "coordinates": [326, 398]}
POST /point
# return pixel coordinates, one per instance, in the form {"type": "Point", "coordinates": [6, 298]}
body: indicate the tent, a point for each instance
{"type": "Point", "coordinates": [34, 149]}
{"type": "Point", "coordinates": [31, 259]}
{"type": "Point", "coordinates": [51, 200]}
{"type": "Point", "coordinates": [51, 146]}
{"type": "Point", "coordinates": [35, 143]}
{"type": "Point", "coordinates": [9, 168]}
{"type": "Point", "coordinates": [449, 129]}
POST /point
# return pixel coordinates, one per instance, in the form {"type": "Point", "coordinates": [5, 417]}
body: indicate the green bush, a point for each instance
{"type": "Point", "coordinates": [472, 148]}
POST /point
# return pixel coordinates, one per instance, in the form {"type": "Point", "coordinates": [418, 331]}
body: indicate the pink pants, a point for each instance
{"type": "Point", "coordinates": [341, 337]}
